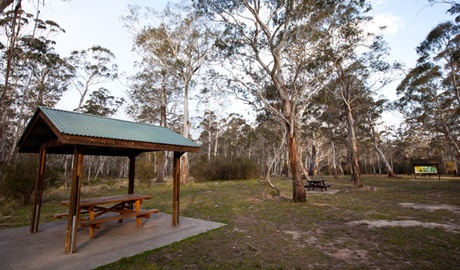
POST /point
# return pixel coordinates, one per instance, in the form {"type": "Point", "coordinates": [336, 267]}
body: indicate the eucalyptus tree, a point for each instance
{"type": "Point", "coordinates": [270, 145]}
{"type": "Point", "coordinates": [236, 137]}
{"type": "Point", "coordinates": [213, 99]}
{"type": "Point", "coordinates": [33, 73]}
{"type": "Point", "coordinates": [356, 59]}
{"type": "Point", "coordinates": [151, 93]}
{"type": "Point", "coordinates": [179, 43]}
{"type": "Point", "coordinates": [324, 115]}
{"type": "Point", "coordinates": [93, 66]}
{"type": "Point", "coordinates": [430, 92]}
{"type": "Point", "coordinates": [370, 122]}
{"type": "Point", "coordinates": [209, 127]}
{"type": "Point", "coordinates": [154, 85]}
{"type": "Point", "coordinates": [350, 111]}
{"type": "Point", "coordinates": [272, 43]}
{"type": "Point", "coordinates": [4, 4]}
{"type": "Point", "coordinates": [214, 96]}
{"type": "Point", "coordinates": [101, 103]}
{"type": "Point", "coordinates": [281, 43]}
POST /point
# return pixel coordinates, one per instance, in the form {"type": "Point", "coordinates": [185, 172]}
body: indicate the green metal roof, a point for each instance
{"type": "Point", "coordinates": [73, 123]}
{"type": "Point", "coordinates": [61, 131]}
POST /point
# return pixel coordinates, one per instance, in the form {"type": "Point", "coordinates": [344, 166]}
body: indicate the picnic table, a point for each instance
{"type": "Point", "coordinates": [320, 183]}
{"type": "Point", "coordinates": [127, 206]}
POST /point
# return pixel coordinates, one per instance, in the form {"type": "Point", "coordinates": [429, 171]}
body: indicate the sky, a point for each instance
{"type": "Point", "coordinates": [408, 23]}
{"type": "Point", "coordinates": [90, 22]}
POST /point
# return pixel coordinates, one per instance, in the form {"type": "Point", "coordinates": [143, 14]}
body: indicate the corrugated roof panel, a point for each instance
{"type": "Point", "coordinates": [73, 123]}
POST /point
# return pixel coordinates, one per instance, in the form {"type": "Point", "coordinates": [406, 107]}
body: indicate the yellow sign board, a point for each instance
{"type": "Point", "coordinates": [426, 169]}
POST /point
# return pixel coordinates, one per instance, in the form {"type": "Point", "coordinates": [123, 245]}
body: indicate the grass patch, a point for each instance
{"type": "Point", "coordinates": [266, 232]}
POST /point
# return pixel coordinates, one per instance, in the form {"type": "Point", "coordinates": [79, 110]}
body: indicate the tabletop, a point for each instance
{"type": "Point", "coordinates": [109, 199]}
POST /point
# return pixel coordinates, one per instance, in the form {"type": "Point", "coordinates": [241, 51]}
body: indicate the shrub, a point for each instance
{"type": "Point", "coordinates": [225, 168]}
{"type": "Point", "coordinates": [450, 167]}
{"type": "Point", "coordinates": [403, 167]}
{"type": "Point", "coordinates": [18, 178]}
{"type": "Point", "coordinates": [145, 169]}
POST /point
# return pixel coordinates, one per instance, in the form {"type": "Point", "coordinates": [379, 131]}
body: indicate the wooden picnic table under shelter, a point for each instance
{"type": "Point", "coordinates": [54, 131]}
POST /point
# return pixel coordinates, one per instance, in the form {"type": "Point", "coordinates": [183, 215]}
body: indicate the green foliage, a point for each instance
{"type": "Point", "coordinates": [430, 93]}
{"type": "Point", "coordinates": [102, 103]}
{"type": "Point", "coordinates": [18, 178]}
{"type": "Point", "coordinates": [32, 72]}
{"type": "Point", "coordinates": [225, 168]}
{"type": "Point", "coordinates": [145, 169]}
{"type": "Point", "coordinates": [450, 168]}
{"type": "Point", "coordinates": [403, 167]}
{"type": "Point", "coordinates": [92, 66]}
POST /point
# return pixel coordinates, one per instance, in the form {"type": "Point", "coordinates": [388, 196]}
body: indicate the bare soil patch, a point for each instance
{"type": "Point", "coordinates": [432, 207]}
{"type": "Point", "coordinates": [406, 223]}
{"type": "Point", "coordinates": [455, 228]}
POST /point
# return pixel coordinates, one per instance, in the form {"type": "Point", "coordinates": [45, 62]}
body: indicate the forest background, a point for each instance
{"type": "Point", "coordinates": [268, 92]}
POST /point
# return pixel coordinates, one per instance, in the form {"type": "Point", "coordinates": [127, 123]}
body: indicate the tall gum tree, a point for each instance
{"type": "Point", "coordinates": [185, 38]}
{"type": "Point", "coordinates": [429, 95]}
{"type": "Point", "coordinates": [103, 104]}
{"type": "Point", "coordinates": [278, 43]}
{"type": "Point", "coordinates": [270, 44]}
{"type": "Point", "coordinates": [32, 73]}
{"type": "Point", "coordinates": [93, 66]}
{"type": "Point", "coordinates": [323, 115]}
{"type": "Point", "coordinates": [375, 110]}
{"type": "Point", "coordinates": [214, 97]}
{"type": "Point", "coordinates": [155, 85]}
{"type": "Point", "coordinates": [357, 61]}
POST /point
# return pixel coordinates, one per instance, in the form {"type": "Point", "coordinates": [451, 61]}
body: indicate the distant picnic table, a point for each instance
{"type": "Point", "coordinates": [320, 183]}
{"type": "Point", "coordinates": [121, 204]}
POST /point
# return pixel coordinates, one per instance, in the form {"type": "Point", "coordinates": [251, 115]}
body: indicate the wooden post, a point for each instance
{"type": "Point", "coordinates": [74, 207]}
{"type": "Point", "coordinates": [131, 174]}
{"type": "Point", "coordinates": [439, 173]}
{"type": "Point", "coordinates": [138, 209]}
{"type": "Point", "coordinates": [39, 183]}
{"type": "Point", "coordinates": [176, 188]}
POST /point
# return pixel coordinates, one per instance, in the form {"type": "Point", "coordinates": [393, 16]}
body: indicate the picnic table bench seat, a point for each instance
{"type": "Point", "coordinates": [121, 207]}
{"type": "Point", "coordinates": [95, 223]}
{"type": "Point", "coordinates": [143, 213]}
{"type": "Point", "coordinates": [64, 215]}
{"type": "Point", "coordinates": [140, 214]}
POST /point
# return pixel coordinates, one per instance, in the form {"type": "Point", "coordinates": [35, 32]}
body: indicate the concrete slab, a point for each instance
{"type": "Point", "coordinates": [19, 249]}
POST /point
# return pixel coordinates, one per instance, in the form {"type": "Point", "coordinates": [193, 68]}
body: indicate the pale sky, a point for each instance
{"type": "Point", "coordinates": [97, 22]}
{"type": "Point", "coordinates": [408, 23]}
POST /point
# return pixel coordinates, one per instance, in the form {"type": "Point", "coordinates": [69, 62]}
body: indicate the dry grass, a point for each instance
{"type": "Point", "coordinates": [266, 232]}
{"type": "Point", "coordinates": [327, 232]}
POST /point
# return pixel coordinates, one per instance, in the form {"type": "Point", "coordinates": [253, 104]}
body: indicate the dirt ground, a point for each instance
{"type": "Point", "coordinates": [455, 228]}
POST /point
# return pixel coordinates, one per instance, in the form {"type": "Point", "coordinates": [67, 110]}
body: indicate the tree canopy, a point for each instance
{"type": "Point", "coordinates": [311, 72]}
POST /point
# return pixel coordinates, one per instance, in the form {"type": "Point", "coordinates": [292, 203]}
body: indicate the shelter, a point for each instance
{"type": "Point", "coordinates": [53, 131]}
{"type": "Point", "coordinates": [426, 166]}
